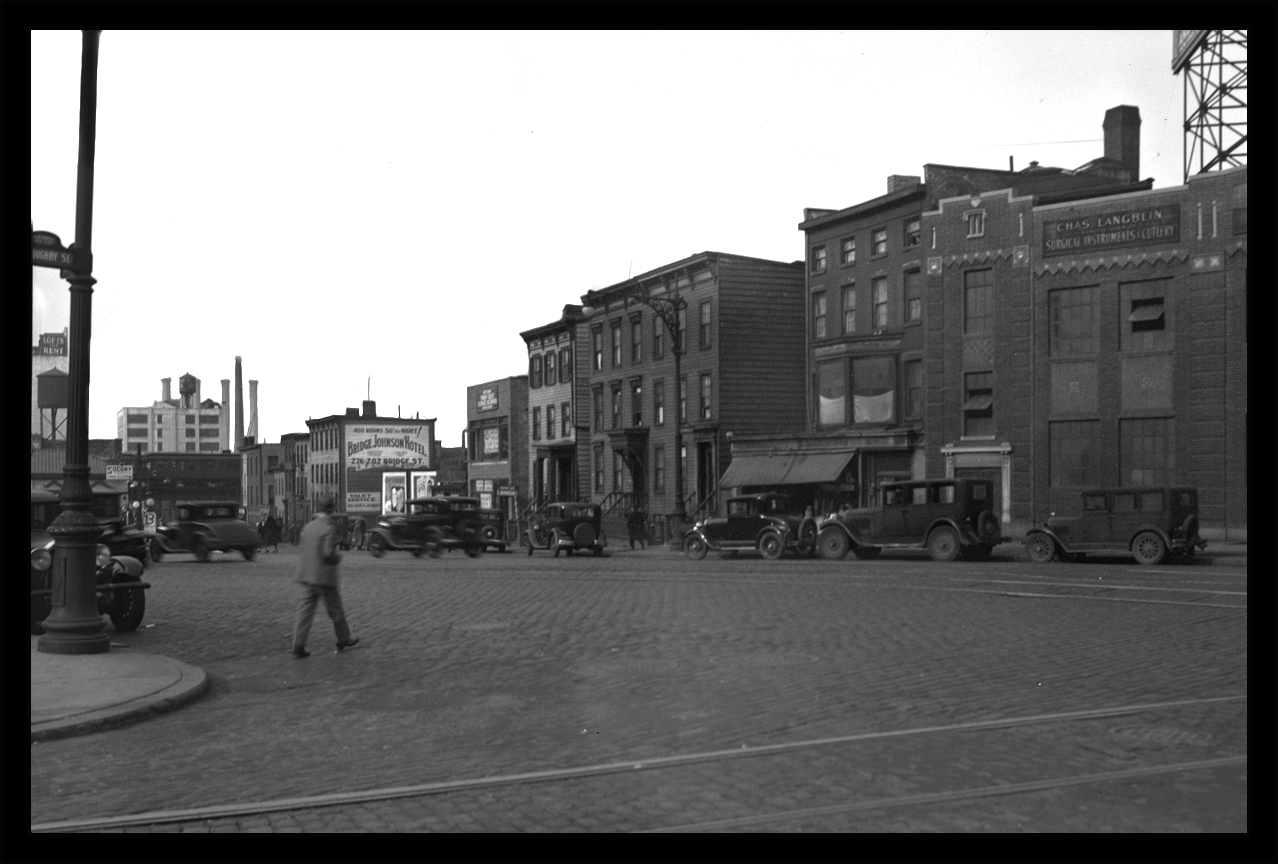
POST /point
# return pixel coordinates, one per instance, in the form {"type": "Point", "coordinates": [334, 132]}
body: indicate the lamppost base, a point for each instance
{"type": "Point", "coordinates": [71, 642]}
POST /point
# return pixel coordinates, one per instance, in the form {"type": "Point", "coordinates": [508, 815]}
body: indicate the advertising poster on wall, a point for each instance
{"type": "Point", "coordinates": [363, 502]}
{"type": "Point", "coordinates": [388, 445]}
{"type": "Point", "coordinates": [423, 484]}
{"type": "Point", "coordinates": [394, 488]}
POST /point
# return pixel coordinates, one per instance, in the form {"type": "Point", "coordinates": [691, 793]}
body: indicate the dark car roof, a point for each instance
{"type": "Point", "coordinates": [925, 481]}
{"type": "Point", "coordinates": [759, 496]}
{"type": "Point", "coordinates": [43, 497]}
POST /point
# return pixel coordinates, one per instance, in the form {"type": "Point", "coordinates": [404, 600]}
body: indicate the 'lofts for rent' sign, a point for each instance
{"type": "Point", "coordinates": [1080, 234]}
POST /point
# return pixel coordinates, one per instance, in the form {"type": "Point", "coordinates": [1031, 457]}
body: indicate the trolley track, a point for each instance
{"type": "Point", "coordinates": [717, 760]}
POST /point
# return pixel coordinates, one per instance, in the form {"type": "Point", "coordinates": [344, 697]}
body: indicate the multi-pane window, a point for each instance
{"type": "Point", "coordinates": [534, 370]}
{"type": "Point", "coordinates": [873, 390]}
{"type": "Point", "coordinates": [550, 422]}
{"type": "Point", "coordinates": [636, 402]}
{"type": "Point", "coordinates": [596, 346]}
{"type": "Point", "coordinates": [913, 388]}
{"type": "Point", "coordinates": [636, 340]}
{"type": "Point", "coordinates": [598, 404]}
{"type": "Point", "coordinates": [879, 287]}
{"type": "Point", "coordinates": [818, 259]}
{"type": "Point", "coordinates": [976, 223]}
{"type": "Point", "coordinates": [536, 424]}
{"type": "Point", "coordinates": [659, 469]}
{"type": "Point", "coordinates": [1074, 322]}
{"type": "Point", "coordinates": [599, 468]}
{"type": "Point", "coordinates": [550, 368]}
{"type": "Point", "coordinates": [878, 242]}
{"type": "Point", "coordinates": [1143, 321]}
{"type": "Point", "coordinates": [616, 406]}
{"type": "Point", "coordinates": [914, 295]}
{"type": "Point", "coordinates": [978, 303]}
{"type": "Point", "coordinates": [565, 364]}
{"type": "Point", "coordinates": [658, 338]}
{"type": "Point", "coordinates": [1146, 452]}
{"type": "Point", "coordinates": [705, 395]}
{"type": "Point", "coordinates": [705, 324]}
{"type": "Point", "coordinates": [659, 402]}
{"type": "Point", "coordinates": [832, 392]}
{"type": "Point", "coordinates": [616, 344]}
{"type": "Point", "coordinates": [818, 315]}
{"type": "Point", "coordinates": [849, 250]}
{"type": "Point", "coordinates": [683, 400]}
{"type": "Point", "coordinates": [1073, 454]}
{"type": "Point", "coordinates": [565, 413]}
{"type": "Point", "coordinates": [849, 309]}
{"type": "Point", "coordinates": [912, 232]}
{"type": "Point", "coordinates": [190, 419]}
{"type": "Point", "coordinates": [978, 409]}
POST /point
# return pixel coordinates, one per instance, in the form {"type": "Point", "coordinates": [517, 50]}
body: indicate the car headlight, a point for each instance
{"type": "Point", "coordinates": [42, 558]}
{"type": "Point", "coordinates": [104, 555]}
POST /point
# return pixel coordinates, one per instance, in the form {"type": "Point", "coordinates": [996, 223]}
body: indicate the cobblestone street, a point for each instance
{"type": "Point", "coordinates": [510, 665]}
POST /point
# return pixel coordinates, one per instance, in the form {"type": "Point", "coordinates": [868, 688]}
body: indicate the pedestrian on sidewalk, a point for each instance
{"type": "Point", "coordinates": [317, 572]}
{"type": "Point", "coordinates": [635, 528]}
{"type": "Point", "coordinates": [272, 534]}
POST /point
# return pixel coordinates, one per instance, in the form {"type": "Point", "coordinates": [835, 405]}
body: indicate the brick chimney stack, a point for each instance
{"type": "Point", "coordinates": [1122, 137]}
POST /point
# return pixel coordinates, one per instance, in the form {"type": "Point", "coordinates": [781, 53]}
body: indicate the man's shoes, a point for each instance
{"type": "Point", "coordinates": [349, 643]}
{"type": "Point", "coordinates": [299, 653]}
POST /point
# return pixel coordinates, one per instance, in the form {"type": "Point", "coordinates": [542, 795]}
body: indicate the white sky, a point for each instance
{"type": "Point", "coordinates": [333, 206]}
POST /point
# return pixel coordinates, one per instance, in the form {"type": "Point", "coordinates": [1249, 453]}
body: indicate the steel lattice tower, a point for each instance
{"type": "Point", "coordinates": [1214, 63]}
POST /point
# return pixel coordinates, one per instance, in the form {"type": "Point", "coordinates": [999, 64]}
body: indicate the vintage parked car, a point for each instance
{"type": "Point", "coordinates": [765, 521]}
{"type": "Point", "coordinates": [567, 526]}
{"type": "Point", "coordinates": [117, 535]}
{"type": "Point", "coordinates": [1147, 522]}
{"type": "Point", "coordinates": [121, 591]}
{"type": "Point", "coordinates": [350, 530]}
{"type": "Point", "coordinates": [949, 517]}
{"type": "Point", "coordinates": [494, 530]}
{"type": "Point", "coordinates": [204, 528]}
{"type": "Point", "coordinates": [430, 526]}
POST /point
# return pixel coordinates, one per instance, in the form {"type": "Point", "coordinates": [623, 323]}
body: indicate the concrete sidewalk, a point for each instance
{"type": "Point", "coordinates": [72, 694]}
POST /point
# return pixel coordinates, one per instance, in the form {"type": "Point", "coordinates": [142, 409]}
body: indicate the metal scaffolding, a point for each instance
{"type": "Point", "coordinates": [1215, 101]}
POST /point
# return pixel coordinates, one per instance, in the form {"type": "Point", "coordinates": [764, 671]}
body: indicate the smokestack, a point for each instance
{"type": "Point", "coordinates": [167, 389]}
{"type": "Point", "coordinates": [253, 409]}
{"type": "Point", "coordinates": [224, 422]}
{"type": "Point", "coordinates": [239, 406]}
{"type": "Point", "coordinates": [1122, 138]}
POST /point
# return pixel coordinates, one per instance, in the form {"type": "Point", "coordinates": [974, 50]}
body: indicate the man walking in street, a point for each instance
{"type": "Point", "coordinates": [317, 572]}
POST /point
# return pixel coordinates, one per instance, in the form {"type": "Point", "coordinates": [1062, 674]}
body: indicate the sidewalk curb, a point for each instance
{"type": "Point", "coordinates": [192, 683]}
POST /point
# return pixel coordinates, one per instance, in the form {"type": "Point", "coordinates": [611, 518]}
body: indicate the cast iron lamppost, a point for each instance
{"type": "Point", "coordinates": [667, 309]}
{"type": "Point", "coordinates": [75, 625]}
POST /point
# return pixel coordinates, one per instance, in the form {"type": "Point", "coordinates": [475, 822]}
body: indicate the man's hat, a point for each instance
{"type": "Point", "coordinates": [328, 506]}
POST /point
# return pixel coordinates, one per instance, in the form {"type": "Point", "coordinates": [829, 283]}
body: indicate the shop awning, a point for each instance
{"type": "Point", "coordinates": [785, 470]}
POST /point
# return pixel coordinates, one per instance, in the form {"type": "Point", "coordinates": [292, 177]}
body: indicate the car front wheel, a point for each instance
{"type": "Point", "coordinates": [771, 545]}
{"type": "Point", "coordinates": [833, 544]}
{"type": "Point", "coordinates": [1041, 548]}
{"type": "Point", "coordinates": [127, 607]}
{"type": "Point", "coordinates": [1149, 548]}
{"type": "Point", "coordinates": [249, 552]}
{"type": "Point", "coordinates": [695, 548]}
{"type": "Point", "coordinates": [201, 550]}
{"type": "Point", "coordinates": [943, 544]}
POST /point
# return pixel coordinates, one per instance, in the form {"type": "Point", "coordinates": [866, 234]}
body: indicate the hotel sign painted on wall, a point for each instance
{"type": "Point", "coordinates": [1098, 232]}
{"type": "Point", "coordinates": [388, 446]}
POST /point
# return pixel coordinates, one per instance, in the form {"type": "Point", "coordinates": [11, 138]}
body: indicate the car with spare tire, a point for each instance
{"type": "Point", "coordinates": [764, 522]}
{"type": "Point", "coordinates": [1150, 523]}
{"type": "Point", "coordinates": [567, 526]}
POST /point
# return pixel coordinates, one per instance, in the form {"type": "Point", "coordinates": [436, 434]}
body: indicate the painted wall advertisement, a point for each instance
{"type": "Point", "coordinates": [387, 445]}
{"type": "Point", "coordinates": [363, 502]}
{"type": "Point", "coordinates": [394, 492]}
{"type": "Point", "coordinates": [1098, 232]}
{"type": "Point", "coordinates": [423, 484]}
{"type": "Point", "coordinates": [487, 400]}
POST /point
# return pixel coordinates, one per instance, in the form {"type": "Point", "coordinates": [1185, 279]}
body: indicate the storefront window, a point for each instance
{"type": "Point", "coordinates": [832, 389]}
{"type": "Point", "coordinates": [874, 390]}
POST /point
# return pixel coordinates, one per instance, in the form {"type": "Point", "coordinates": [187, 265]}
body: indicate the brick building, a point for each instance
{"type": "Point", "coordinates": [258, 483]}
{"type": "Point", "coordinates": [497, 444]}
{"type": "Point", "coordinates": [743, 358]}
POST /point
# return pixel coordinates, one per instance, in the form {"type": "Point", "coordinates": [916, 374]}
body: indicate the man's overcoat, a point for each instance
{"type": "Point", "coordinates": [317, 564]}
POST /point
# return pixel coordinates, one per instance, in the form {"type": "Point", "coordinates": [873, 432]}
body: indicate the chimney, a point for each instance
{"type": "Point", "coordinates": [1122, 138]}
{"type": "Point", "coordinates": [370, 408]}
{"type": "Point", "coordinates": [253, 410]}
{"type": "Point", "coordinates": [352, 412]}
{"type": "Point", "coordinates": [239, 406]}
{"type": "Point", "coordinates": [897, 182]}
{"type": "Point", "coordinates": [167, 389]}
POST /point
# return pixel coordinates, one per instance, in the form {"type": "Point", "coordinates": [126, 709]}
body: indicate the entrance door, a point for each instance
{"type": "Point", "coordinates": [706, 478]}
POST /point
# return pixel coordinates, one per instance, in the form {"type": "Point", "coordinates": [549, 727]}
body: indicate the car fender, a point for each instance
{"type": "Point", "coordinates": [853, 534]}
{"type": "Point", "coordinates": [965, 534]}
{"type": "Point", "coordinates": [1061, 544]}
{"type": "Point", "coordinates": [132, 566]}
{"type": "Point", "coordinates": [697, 532]}
{"type": "Point", "coordinates": [166, 543]}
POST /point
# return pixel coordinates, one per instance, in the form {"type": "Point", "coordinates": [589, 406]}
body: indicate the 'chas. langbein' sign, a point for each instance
{"type": "Point", "coordinates": [388, 446]}
{"type": "Point", "coordinates": [1097, 232]}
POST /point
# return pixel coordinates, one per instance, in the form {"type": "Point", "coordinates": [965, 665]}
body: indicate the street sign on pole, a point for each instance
{"type": "Point", "coordinates": [47, 251]}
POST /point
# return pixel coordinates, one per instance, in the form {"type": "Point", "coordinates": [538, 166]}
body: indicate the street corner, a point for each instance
{"type": "Point", "coordinates": [74, 694]}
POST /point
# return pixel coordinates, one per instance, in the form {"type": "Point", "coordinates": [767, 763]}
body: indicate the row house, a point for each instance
{"type": "Point", "coordinates": [558, 387]}
{"type": "Point", "coordinates": [660, 394]}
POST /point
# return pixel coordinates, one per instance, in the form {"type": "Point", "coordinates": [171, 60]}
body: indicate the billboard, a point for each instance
{"type": "Point", "coordinates": [388, 445]}
{"type": "Point", "coordinates": [394, 492]}
{"type": "Point", "coordinates": [1111, 228]}
{"type": "Point", "coordinates": [423, 484]}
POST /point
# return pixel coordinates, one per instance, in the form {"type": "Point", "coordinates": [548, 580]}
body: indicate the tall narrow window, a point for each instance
{"type": "Point", "coordinates": [534, 370]}
{"type": "Point", "coordinates": [636, 402]}
{"type": "Point", "coordinates": [616, 406]}
{"type": "Point", "coordinates": [659, 469]}
{"type": "Point", "coordinates": [616, 344]}
{"type": "Point", "coordinates": [818, 315]}
{"type": "Point", "coordinates": [976, 223]}
{"type": "Point", "coordinates": [658, 338]}
{"type": "Point", "coordinates": [878, 242]}
{"type": "Point", "coordinates": [818, 259]}
{"type": "Point", "coordinates": [550, 422]}
{"type": "Point", "coordinates": [849, 250]}
{"type": "Point", "coordinates": [683, 400]}
{"type": "Point", "coordinates": [978, 303]}
{"type": "Point", "coordinates": [659, 402]}
{"type": "Point", "coordinates": [832, 392]}
{"type": "Point", "coordinates": [618, 477]}
{"type": "Point", "coordinates": [565, 412]}
{"type": "Point", "coordinates": [849, 309]}
{"type": "Point", "coordinates": [978, 410]}
{"type": "Point", "coordinates": [705, 324]}
{"type": "Point", "coordinates": [1073, 456]}
{"type": "Point", "coordinates": [913, 295]}
{"type": "Point", "coordinates": [1073, 321]}
{"type": "Point", "coordinates": [503, 441]}
{"type": "Point", "coordinates": [705, 395]}
{"type": "Point", "coordinates": [683, 328]}
{"type": "Point", "coordinates": [596, 346]}
{"type": "Point", "coordinates": [536, 424]}
{"type": "Point", "coordinates": [874, 389]}
{"type": "Point", "coordinates": [599, 468]}
{"type": "Point", "coordinates": [879, 286]}
{"type": "Point", "coordinates": [550, 368]}
{"type": "Point", "coordinates": [636, 340]}
{"type": "Point", "coordinates": [565, 364]}
{"type": "Point", "coordinates": [913, 388]}
{"type": "Point", "coordinates": [597, 399]}
{"type": "Point", "coordinates": [911, 232]}
{"type": "Point", "coordinates": [1147, 452]}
